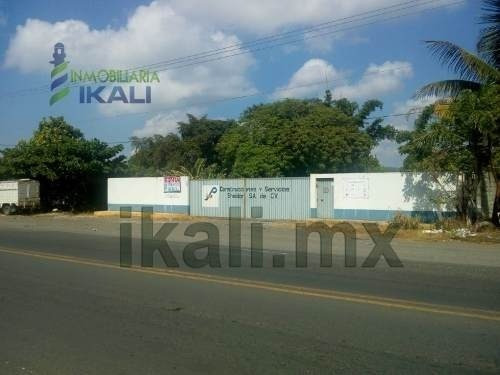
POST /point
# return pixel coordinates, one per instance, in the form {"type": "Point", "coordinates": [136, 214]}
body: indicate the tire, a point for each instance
{"type": "Point", "coordinates": [6, 209]}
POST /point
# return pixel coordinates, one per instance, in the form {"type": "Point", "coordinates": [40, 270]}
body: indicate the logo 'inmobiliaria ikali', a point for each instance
{"type": "Point", "coordinates": [91, 94]}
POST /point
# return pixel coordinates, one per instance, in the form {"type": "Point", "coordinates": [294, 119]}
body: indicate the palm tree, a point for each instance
{"type": "Point", "coordinates": [474, 72]}
{"type": "Point", "coordinates": [489, 38]}
{"type": "Point", "coordinates": [200, 170]}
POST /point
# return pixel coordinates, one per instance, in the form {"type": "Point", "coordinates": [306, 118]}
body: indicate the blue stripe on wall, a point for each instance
{"type": "Point", "coordinates": [338, 214]}
{"type": "Point", "coordinates": [156, 208]}
{"type": "Point", "coordinates": [360, 214]}
{"type": "Point", "coordinates": [381, 215]}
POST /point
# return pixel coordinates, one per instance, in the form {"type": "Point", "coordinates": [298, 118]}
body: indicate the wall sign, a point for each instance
{"type": "Point", "coordinates": [356, 188]}
{"type": "Point", "coordinates": [171, 184]}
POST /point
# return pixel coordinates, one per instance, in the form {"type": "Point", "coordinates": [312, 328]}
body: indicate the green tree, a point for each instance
{"type": "Point", "coordinates": [296, 138]}
{"type": "Point", "coordinates": [199, 170]}
{"type": "Point", "coordinates": [196, 140]}
{"type": "Point", "coordinates": [374, 128]}
{"type": "Point", "coordinates": [489, 37]}
{"type": "Point", "coordinates": [204, 134]}
{"type": "Point", "coordinates": [152, 156]}
{"type": "Point", "coordinates": [464, 140]}
{"type": "Point", "coordinates": [475, 72]}
{"type": "Point", "coordinates": [72, 170]}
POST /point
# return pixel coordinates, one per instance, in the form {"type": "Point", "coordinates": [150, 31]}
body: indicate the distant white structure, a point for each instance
{"type": "Point", "coordinates": [17, 194]}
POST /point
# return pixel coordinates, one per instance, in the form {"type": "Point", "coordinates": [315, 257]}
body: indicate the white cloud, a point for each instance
{"type": "Point", "coordinates": [304, 81]}
{"type": "Point", "coordinates": [376, 80]}
{"type": "Point", "coordinates": [387, 154]}
{"type": "Point", "coordinates": [322, 44]}
{"type": "Point", "coordinates": [165, 123]}
{"type": "Point", "coordinates": [153, 33]}
{"type": "Point", "coordinates": [264, 16]}
{"type": "Point", "coordinates": [135, 44]}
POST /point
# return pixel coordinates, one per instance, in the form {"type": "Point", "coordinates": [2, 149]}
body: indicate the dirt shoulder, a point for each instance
{"type": "Point", "coordinates": [426, 232]}
{"type": "Point", "coordinates": [106, 223]}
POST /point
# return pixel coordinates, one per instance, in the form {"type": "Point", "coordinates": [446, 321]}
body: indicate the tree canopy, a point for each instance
{"type": "Point", "coordinates": [298, 137]}
{"type": "Point", "coordinates": [464, 139]}
{"type": "Point", "coordinates": [467, 116]}
{"type": "Point", "coordinates": [473, 70]}
{"type": "Point", "coordinates": [284, 138]}
{"type": "Point", "coordinates": [194, 143]}
{"type": "Point", "coordinates": [72, 170]}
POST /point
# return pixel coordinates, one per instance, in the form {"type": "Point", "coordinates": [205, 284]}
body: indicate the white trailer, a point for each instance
{"type": "Point", "coordinates": [18, 194]}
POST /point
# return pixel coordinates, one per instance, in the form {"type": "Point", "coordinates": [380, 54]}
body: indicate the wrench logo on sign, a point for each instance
{"type": "Point", "coordinates": [211, 194]}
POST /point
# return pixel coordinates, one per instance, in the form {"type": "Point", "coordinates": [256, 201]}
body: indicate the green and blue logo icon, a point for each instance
{"type": "Point", "coordinates": [58, 75]}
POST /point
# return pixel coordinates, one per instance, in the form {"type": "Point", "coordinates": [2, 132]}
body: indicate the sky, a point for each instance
{"type": "Point", "coordinates": [355, 53]}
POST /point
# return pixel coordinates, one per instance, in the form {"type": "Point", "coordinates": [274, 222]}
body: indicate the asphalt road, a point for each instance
{"type": "Point", "coordinates": [66, 307]}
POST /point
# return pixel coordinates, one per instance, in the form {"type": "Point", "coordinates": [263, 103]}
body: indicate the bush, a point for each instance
{"type": "Point", "coordinates": [405, 222]}
{"type": "Point", "coordinates": [449, 224]}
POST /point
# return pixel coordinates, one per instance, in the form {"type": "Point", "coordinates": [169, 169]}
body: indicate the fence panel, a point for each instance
{"type": "Point", "coordinates": [280, 198]}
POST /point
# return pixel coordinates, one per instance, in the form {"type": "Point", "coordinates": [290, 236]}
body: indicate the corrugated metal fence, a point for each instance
{"type": "Point", "coordinates": [280, 198]}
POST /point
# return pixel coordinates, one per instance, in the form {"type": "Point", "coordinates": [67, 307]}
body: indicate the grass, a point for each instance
{"type": "Point", "coordinates": [405, 222]}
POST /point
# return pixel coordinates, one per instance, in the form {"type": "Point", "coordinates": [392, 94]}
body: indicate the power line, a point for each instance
{"type": "Point", "coordinates": [237, 47]}
{"type": "Point", "coordinates": [318, 35]}
{"type": "Point", "coordinates": [413, 111]}
{"type": "Point", "coordinates": [274, 37]}
{"type": "Point", "coordinates": [288, 42]}
{"type": "Point", "coordinates": [240, 45]}
{"type": "Point", "coordinates": [221, 53]}
{"type": "Point", "coordinates": [240, 97]}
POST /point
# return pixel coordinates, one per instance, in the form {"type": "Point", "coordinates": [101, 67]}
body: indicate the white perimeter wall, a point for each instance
{"type": "Point", "coordinates": [145, 191]}
{"type": "Point", "coordinates": [385, 191]}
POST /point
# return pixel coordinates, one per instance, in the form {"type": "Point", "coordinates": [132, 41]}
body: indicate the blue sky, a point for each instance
{"type": "Point", "coordinates": [385, 60]}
